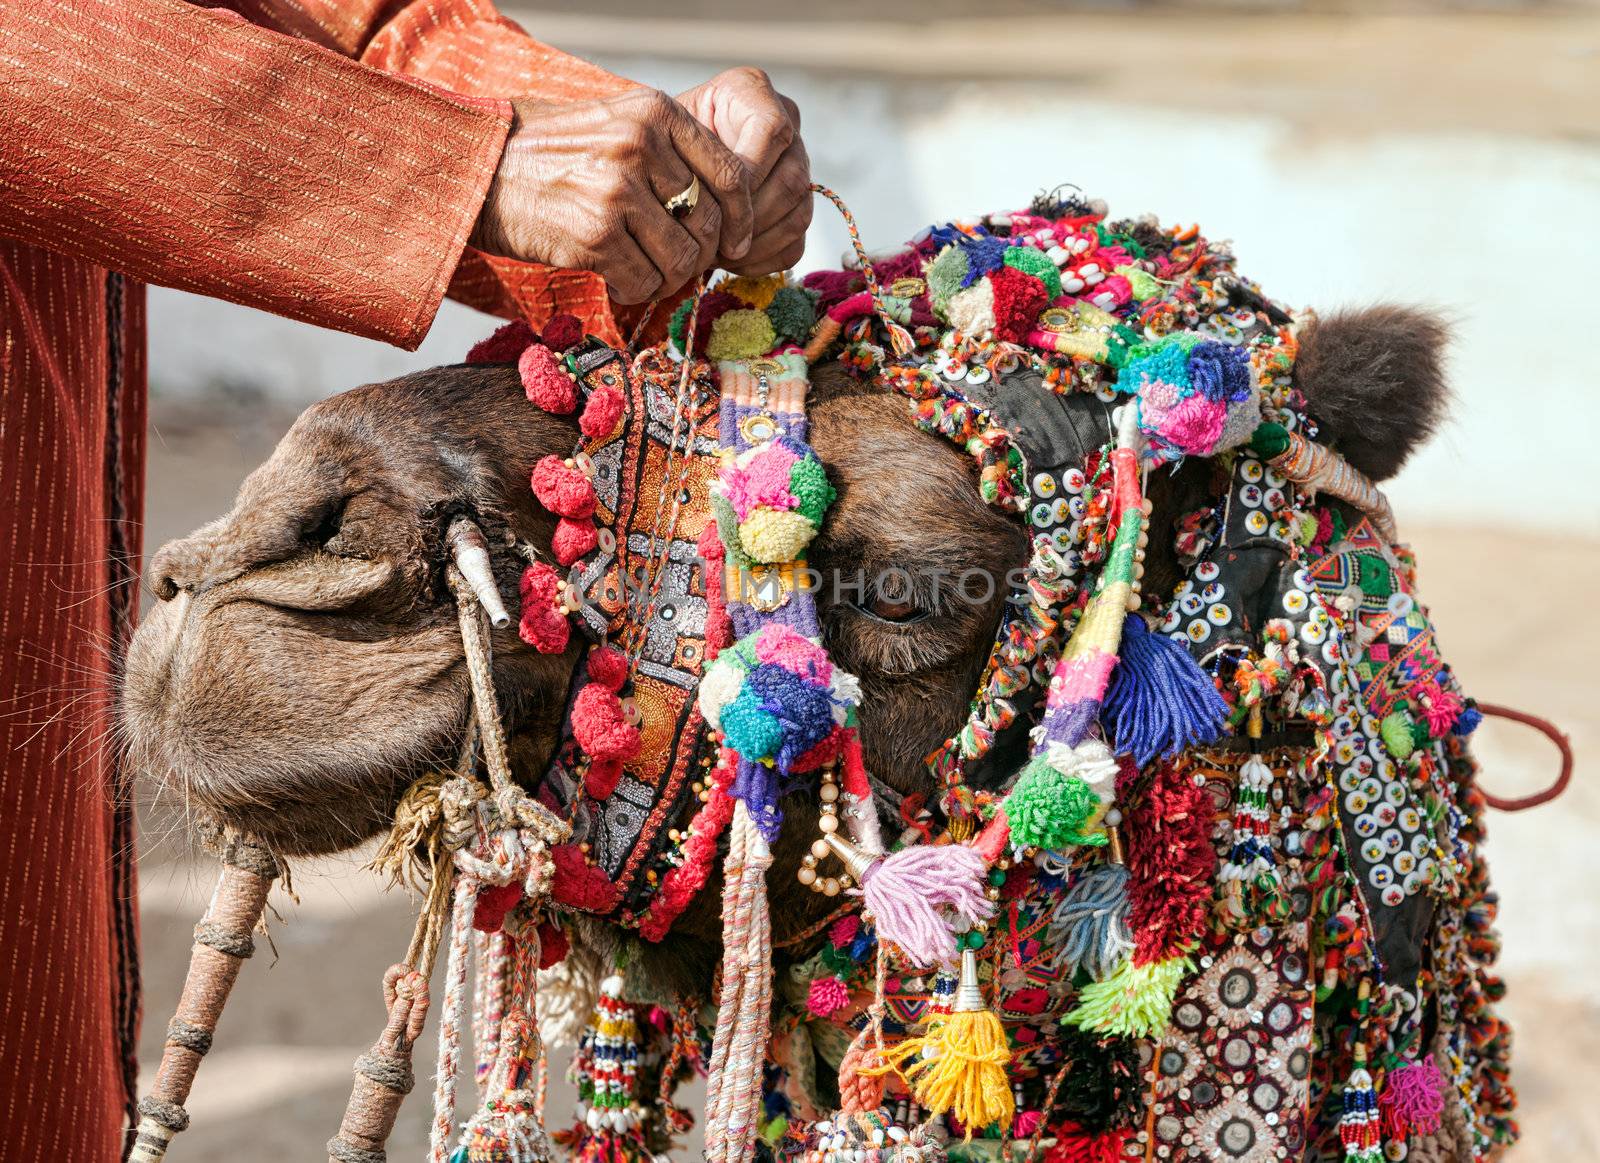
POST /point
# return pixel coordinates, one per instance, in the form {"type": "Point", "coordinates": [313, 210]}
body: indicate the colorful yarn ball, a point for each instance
{"type": "Point", "coordinates": [1196, 397]}
{"type": "Point", "coordinates": [563, 331]}
{"type": "Point", "coordinates": [712, 306]}
{"type": "Point", "coordinates": [504, 345]}
{"type": "Point", "coordinates": [573, 539]}
{"type": "Point", "coordinates": [826, 996]}
{"type": "Point", "coordinates": [971, 311]}
{"type": "Point", "coordinates": [770, 535]}
{"type": "Point", "coordinates": [793, 313]}
{"type": "Point", "coordinates": [776, 495]}
{"type": "Point", "coordinates": [946, 275]}
{"type": "Point", "coordinates": [741, 334]}
{"type": "Point", "coordinates": [562, 488]}
{"type": "Point", "coordinates": [1049, 810]}
{"type": "Point", "coordinates": [753, 290]}
{"type": "Point", "coordinates": [546, 380]}
{"type": "Point", "coordinates": [579, 884]}
{"type": "Point", "coordinates": [1018, 299]}
{"type": "Point", "coordinates": [1033, 261]}
{"type": "Point", "coordinates": [775, 697]}
{"type": "Point", "coordinates": [601, 413]}
{"type": "Point", "coordinates": [599, 726]}
{"type": "Point", "coordinates": [543, 625]}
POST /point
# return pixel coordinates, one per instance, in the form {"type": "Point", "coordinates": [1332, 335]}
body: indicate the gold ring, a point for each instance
{"type": "Point", "coordinates": [681, 203]}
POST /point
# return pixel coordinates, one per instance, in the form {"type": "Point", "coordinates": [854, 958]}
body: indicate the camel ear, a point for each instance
{"type": "Point", "coordinates": [1373, 379]}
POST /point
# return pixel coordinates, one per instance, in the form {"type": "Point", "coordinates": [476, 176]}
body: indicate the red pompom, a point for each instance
{"type": "Point", "coordinates": [1018, 299]}
{"type": "Point", "coordinates": [544, 627]}
{"type": "Point", "coordinates": [553, 944]}
{"type": "Point", "coordinates": [494, 902]}
{"type": "Point", "coordinates": [563, 331]}
{"type": "Point", "coordinates": [608, 666]}
{"type": "Point", "coordinates": [579, 884]}
{"type": "Point", "coordinates": [504, 346]}
{"type": "Point", "coordinates": [573, 539]}
{"type": "Point", "coordinates": [546, 380]}
{"type": "Point", "coordinates": [601, 413]}
{"type": "Point", "coordinates": [599, 727]}
{"type": "Point", "coordinates": [562, 489]}
{"type": "Point", "coordinates": [602, 778]}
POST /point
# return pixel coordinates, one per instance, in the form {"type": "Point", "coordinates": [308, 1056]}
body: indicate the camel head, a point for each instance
{"type": "Point", "coordinates": [303, 665]}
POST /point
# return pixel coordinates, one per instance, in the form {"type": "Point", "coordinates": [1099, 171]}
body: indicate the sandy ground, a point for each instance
{"type": "Point", "coordinates": [275, 1085]}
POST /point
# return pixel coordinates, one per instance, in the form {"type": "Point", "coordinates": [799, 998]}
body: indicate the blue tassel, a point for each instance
{"type": "Point", "coordinates": [1089, 929]}
{"type": "Point", "coordinates": [1159, 701]}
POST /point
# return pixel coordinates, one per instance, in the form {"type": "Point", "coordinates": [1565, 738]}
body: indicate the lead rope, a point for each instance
{"type": "Point", "coordinates": [831, 325]}
{"type": "Point", "coordinates": [222, 943]}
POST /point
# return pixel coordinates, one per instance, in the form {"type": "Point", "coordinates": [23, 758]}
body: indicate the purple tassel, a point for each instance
{"type": "Point", "coordinates": [1159, 701]}
{"type": "Point", "coordinates": [905, 892]}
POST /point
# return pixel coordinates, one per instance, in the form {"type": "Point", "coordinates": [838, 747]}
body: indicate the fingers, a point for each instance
{"type": "Point", "coordinates": [631, 276]}
{"type": "Point", "coordinates": [779, 248]}
{"type": "Point", "coordinates": [769, 128]}
{"type": "Point", "coordinates": [703, 224]}
{"type": "Point", "coordinates": [718, 168]}
{"type": "Point", "coordinates": [783, 209]}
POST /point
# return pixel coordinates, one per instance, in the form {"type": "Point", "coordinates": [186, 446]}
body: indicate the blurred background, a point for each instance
{"type": "Point", "coordinates": [1438, 153]}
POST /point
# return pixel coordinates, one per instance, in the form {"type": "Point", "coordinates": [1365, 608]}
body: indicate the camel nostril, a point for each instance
{"type": "Point", "coordinates": [165, 588]}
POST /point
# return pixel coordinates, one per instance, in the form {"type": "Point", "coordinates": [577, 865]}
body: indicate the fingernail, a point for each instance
{"type": "Point", "coordinates": [740, 249]}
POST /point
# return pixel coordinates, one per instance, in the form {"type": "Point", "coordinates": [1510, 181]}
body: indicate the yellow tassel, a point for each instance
{"type": "Point", "coordinates": [958, 1066]}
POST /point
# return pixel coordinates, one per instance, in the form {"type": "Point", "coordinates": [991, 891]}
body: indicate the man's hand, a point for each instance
{"type": "Point", "coordinates": [762, 127]}
{"type": "Point", "coordinates": [582, 186]}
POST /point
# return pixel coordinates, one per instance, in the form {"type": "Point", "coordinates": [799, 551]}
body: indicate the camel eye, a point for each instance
{"type": "Point", "coordinates": [326, 526]}
{"type": "Point", "coordinates": [891, 600]}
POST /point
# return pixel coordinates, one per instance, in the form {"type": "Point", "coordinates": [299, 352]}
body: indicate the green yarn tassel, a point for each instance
{"type": "Point", "coordinates": [1047, 809]}
{"type": "Point", "coordinates": [1134, 1002]}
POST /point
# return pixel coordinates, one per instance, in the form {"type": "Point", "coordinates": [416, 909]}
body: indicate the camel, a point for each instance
{"type": "Point", "coordinates": [304, 667]}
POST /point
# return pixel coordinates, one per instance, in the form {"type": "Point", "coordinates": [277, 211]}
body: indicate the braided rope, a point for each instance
{"type": "Point", "coordinates": [899, 338]}
{"type": "Point", "coordinates": [739, 1045]}
{"type": "Point", "coordinates": [444, 1085]}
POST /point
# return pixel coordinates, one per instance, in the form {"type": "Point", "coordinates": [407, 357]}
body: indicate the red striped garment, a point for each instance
{"type": "Point", "coordinates": [323, 159]}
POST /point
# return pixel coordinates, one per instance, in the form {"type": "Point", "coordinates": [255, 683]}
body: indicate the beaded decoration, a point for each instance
{"type": "Point", "coordinates": [1083, 909]}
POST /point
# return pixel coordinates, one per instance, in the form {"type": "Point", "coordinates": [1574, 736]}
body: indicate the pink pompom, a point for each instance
{"type": "Point", "coordinates": [494, 902]}
{"type": "Point", "coordinates": [608, 666]}
{"type": "Point", "coordinates": [601, 413]}
{"type": "Point", "coordinates": [504, 346]}
{"type": "Point", "coordinates": [599, 726]}
{"type": "Point", "coordinates": [826, 996]}
{"type": "Point", "coordinates": [602, 778]}
{"type": "Point", "coordinates": [543, 626]}
{"type": "Point", "coordinates": [573, 539]}
{"type": "Point", "coordinates": [562, 489]}
{"type": "Point", "coordinates": [1026, 1122]}
{"type": "Point", "coordinates": [844, 930]}
{"type": "Point", "coordinates": [563, 331]}
{"type": "Point", "coordinates": [579, 884]}
{"type": "Point", "coordinates": [547, 381]}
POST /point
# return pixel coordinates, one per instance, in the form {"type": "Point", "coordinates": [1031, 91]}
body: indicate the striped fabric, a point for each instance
{"type": "Point", "coordinates": [243, 155]}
